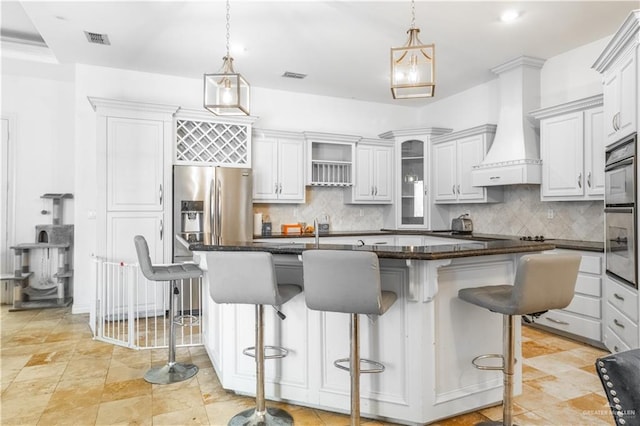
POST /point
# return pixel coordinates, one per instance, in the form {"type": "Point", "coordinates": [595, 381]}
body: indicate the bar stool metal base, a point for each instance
{"type": "Point", "coordinates": [167, 374]}
{"type": "Point", "coordinates": [271, 417]}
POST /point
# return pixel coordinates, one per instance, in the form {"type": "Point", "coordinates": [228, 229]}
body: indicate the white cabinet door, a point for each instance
{"type": "Point", "coordinates": [291, 170]}
{"type": "Point", "coordinates": [364, 173]}
{"type": "Point", "coordinates": [278, 169]}
{"type": "Point", "coordinates": [562, 155]}
{"type": "Point", "coordinates": [444, 171]}
{"type": "Point", "coordinates": [383, 173]}
{"type": "Point", "coordinates": [135, 164]}
{"type": "Point", "coordinates": [265, 169]}
{"type": "Point", "coordinates": [470, 152]}
{"type": "Point", "coordinates": [620, 99]}
{"type": "Point", "coordinates": [123, 226]}
{"type": "Point", "coordinates": [594, 151]}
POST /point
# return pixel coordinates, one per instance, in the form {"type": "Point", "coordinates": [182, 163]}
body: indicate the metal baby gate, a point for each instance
{"type": "Point", "coordinates": [132, 311]}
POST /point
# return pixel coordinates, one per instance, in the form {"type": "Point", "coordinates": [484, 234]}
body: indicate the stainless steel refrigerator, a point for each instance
{"type": "Point", "coordinates": [211, 205]}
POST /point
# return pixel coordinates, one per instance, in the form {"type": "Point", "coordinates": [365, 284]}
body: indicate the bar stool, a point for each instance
{"type": "Point", "coordinates": [347, 282]}
{"type": "Point", "coordinates": [250, 278]}
{"type": "Point", "coordinates": [542, 282]}
{"type": "Point", "coordinates": [173, 371]}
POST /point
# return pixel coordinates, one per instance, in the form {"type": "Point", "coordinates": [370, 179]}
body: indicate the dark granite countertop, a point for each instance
{"type": "Point", "coordinates": [595, 246]}
{"type": "Point", "coordinates": [443, 251]}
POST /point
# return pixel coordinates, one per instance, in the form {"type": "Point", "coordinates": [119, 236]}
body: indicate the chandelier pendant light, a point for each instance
{"type": "Point", "coordinates": [413, 66]}
{"type": "Point", "coordinates": [226, 92]}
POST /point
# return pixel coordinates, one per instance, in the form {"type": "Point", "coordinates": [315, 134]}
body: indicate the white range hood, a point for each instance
{"type": "Point", "coordinates": [514, 156]}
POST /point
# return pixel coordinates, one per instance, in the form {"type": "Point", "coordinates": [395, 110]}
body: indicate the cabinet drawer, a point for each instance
{"type": "Point", "coordinates": [623, 297]}
{"type": "Point", "coordinates": [565, 321]}
{"type": "Point", "coordinates": [585, 305]}
{"type": "Point", "coordinates": [591, 264]}
{"type": "Point", "coordinates": [622, 326]}
{"type": "Point", "coordinates": [613, 342]}
{"type": "Point", "coordinates": [589, 285]}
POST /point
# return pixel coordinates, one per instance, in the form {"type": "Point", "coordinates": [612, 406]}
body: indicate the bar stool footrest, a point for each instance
{"type": "Point", "coordinates": [488, 367]}
{"type": "Point", "coordinates": [378, 367]}
{"type": "Point", "coordinates": [186, 320]}
{"type": "Point", "coordinates": [280, 352]}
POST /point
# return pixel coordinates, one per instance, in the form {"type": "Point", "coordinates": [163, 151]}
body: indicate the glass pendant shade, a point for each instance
{"type": "Point", "coordinates": [227, 92]}
{"type": "Point", "coordinates": [413, 68]}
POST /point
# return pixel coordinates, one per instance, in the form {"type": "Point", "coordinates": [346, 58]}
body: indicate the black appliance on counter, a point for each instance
{"type": "Point", "coordinates": [621, 237]}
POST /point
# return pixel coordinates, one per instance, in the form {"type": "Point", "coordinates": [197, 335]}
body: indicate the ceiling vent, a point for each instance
{"type": "Point", "coordinates": [96, 38]}
{"type": "Point", "coordinates": [289, 74]}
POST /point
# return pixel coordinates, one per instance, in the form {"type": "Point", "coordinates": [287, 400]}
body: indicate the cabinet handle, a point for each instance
{"type": "Point", "coordinates": [618, 323]}
{"type": "Point", "coordinates": [280, 188]}
{"type": "Point", "coordinates": [372, 190]}
{"type": "Point", "coordinates": [453, 189]}
{"type": "Point", "coordinates": [458, 189]}
{"type": "Point", "coordinates": [580, 180]}
{"type": "Point", "coordinates": [615, 348]}
{"type": "Point", "coordinates": [275, 188]}
{"type": "Point", "coordinates": [160, 194]}
{"type": "Point", "coordinates": [161, 228]}
{"type": "Point", "coordinates": [376, 190]}
{"type": "Point", "coordinates": [617, 296]}
{"type": "Point", "coordinates": [589, 180]}
{"type": "Point", "coordinates": [557, 321]}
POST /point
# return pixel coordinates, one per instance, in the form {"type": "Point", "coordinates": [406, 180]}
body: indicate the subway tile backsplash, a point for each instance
{"type": "Point", "coordinates": [521, 213]}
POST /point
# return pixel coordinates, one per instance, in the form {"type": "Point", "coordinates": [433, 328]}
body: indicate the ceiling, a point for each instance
{"type": "Point", "coordinates": [343, 46]}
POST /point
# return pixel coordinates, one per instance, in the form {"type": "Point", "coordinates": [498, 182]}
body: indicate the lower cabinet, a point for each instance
{"type": "Point", "coordinates": [621, 316]}
{"type": "Point", "coordinates": [583, 318]}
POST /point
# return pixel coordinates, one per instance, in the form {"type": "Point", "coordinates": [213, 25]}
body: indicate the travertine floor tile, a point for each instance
{"type": "Point", "coordinates": [126, 411]}
{"type": "Point", "coordinates": [188, 416]}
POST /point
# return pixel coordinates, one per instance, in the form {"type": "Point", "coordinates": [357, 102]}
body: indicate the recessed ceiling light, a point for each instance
{"type": "Point", "coordinates": [509, 16]}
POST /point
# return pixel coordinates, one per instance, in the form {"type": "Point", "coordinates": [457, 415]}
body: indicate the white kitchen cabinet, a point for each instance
{"type": "Point", "coordinates": [133, 177]}
{"type": "Point", "coordinates": [618, 64]}
{"type": "Point", "coordinates": [413, 201]}
{"type": "Point", "coordinates": [135, 164]}
{"type": "Point", "coordinates": [621, 331]}
{"type": "Point", "coordinates": [278, 167]}
{"type": "Point", "coordinates": [453, 158]}
{"type": "Point", "coordinates": [330, 159]}
{"type": "Point", "coordinates": [572, 150]}
{"type": "Point", "coordinates": [374, 173]}
{"type": "Point", "coordinates": [583, 318]}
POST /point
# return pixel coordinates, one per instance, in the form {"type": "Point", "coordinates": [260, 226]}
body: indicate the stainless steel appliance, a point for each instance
{"type": "Point", "coordinates": [211, 205]}
{"type": "Point", "coordinates": [462, 224]}
{"type": "Point", "coordinates": [621, 245]}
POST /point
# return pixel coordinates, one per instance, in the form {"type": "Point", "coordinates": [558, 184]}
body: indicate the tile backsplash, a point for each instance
{"type": "Point", "coordinates": [521, 213]}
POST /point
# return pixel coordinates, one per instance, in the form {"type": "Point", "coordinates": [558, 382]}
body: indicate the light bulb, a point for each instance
{"type": "Point", "coordinates": [227, 96]}
{"type": "Point", "coordinates": [413, 69]}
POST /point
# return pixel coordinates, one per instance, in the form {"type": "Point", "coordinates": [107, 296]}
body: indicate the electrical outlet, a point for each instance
{"type": "Point", "coordinates": [361, 213]}
{"type": "Point", "coordinates": [295, 213]}
{"type": "Point", "coordinates": [550, 214]}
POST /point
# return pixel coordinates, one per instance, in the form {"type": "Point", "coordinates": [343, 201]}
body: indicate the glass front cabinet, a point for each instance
{"type": "Point", "coordinates": [414, 208]}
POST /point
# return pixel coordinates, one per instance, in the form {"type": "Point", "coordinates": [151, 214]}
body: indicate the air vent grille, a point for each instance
{"type": "Point", "coordinates": [97, 38]}
{"type": "Point", "coordinates": [289, 74]}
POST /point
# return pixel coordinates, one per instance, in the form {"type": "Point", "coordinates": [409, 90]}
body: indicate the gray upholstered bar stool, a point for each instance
{"type": "Point", "coordinates": [173, 371]}
{"type": "Point", "coordinates": [542, 282]}
{"type": "Point", "coordinates": [250, 278]}
{"type": "Point", "coordinates": [347, 282]}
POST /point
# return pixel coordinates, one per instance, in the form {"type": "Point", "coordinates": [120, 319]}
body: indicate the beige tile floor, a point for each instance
{"type": "Point", "coordinates": [54, 373]}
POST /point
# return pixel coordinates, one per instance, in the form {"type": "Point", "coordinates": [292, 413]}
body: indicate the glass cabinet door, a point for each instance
{"type": "Point", "coordinates": [412, 169]}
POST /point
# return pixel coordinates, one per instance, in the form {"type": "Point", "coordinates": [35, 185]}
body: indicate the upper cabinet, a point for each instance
{"type": "Point", "coordinates": [373, 173]}
{"type": "Point", "coordinates": [618, 64]}
{"type": "Point", "coordinates": [453, 158]}
{"type": "Point", "coordinates": [330, 159]}
{"type": "Point", "coordinates": [572, 150]}
{"type": "Point", "coordinates": [278, 167]}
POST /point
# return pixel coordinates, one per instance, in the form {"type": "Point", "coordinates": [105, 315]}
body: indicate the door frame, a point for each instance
{"type": "Point", "coordinates": [7, 191]}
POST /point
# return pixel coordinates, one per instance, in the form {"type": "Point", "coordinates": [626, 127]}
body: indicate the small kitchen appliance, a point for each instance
{"type": "Point", "coordinates": [462, 225]}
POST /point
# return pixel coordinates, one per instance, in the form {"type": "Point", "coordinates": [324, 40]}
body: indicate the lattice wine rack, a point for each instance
{"type": "Point", "coordinates": [208, 142]}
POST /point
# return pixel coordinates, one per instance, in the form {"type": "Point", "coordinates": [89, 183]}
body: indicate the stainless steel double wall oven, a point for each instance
{"type": "Point", "coordinates": [621, 234]}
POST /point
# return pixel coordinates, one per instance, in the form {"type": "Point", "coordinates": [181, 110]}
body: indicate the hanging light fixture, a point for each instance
{"type": "Point", "coordinates": [413, 66]}
{"type": "Point", "coordinates": [227, 92]}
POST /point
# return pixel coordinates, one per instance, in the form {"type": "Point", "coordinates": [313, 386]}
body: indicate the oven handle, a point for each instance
{"type": "Point", "coordinates": [619, 164]}
{"type": "Point", "coordinates": [618, 210]}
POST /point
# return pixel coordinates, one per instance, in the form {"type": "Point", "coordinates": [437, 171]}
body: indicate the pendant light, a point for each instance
{"type": "Point", "coordinates": [226, 92]}
{"type": "Point", "coordinates": [413, 66]}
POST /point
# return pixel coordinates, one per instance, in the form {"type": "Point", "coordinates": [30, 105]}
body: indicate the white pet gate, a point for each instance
{"type": "Point", "coordinates": [132, 311]}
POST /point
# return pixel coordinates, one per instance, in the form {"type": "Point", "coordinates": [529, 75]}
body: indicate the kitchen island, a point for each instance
{"type": "Point", "coordinates": [426, 340]}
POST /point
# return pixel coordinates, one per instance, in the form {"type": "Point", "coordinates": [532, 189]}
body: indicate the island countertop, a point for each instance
{"type": "Point", "coordinates": [427, 252]}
